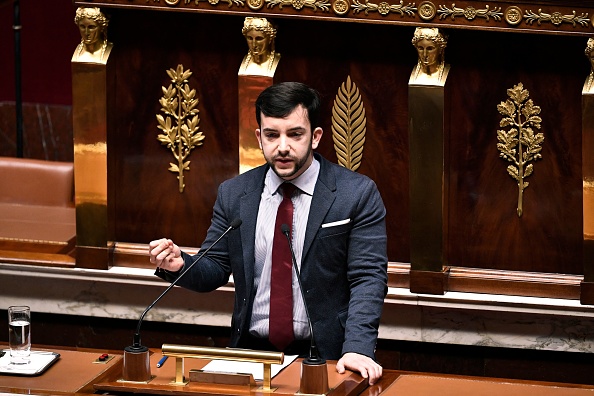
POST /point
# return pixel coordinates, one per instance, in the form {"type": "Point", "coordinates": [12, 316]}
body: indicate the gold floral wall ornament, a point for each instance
{"type": "Point", "coordinates": [238, 3]}
{"type": "Point", "coordinates": [556, 18]}
{"type": "Point", "coordinates": [520, 145]}
{"type": "Point", "coordinates": [341, 7]}
{"type": "Point", "coordinates": [470, 12]}
{"type": "Point", "coordinates": [323, 5]}
{"type": "Point", "coordinates": [349, 125]}
{"type": "Point", "coordinates": [384, 8]}
{"type": "Point", "coordinates": [513, 15]}
{"type": "Point", "coordinates": [427, 10]}
{"type": "Point", "coordinates": [179, 105]}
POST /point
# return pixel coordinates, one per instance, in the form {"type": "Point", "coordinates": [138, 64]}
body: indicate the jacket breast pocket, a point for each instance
{"type": "Point", "coordinates": [331, 231]}
{"type": "Point", "coordinates": [332, 245]}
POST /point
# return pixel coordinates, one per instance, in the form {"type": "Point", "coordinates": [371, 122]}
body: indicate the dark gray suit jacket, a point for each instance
{"type": "Point", "coordinates": [343, 270]}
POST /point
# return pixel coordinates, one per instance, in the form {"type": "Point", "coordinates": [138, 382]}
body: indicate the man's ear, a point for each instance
{"type": "Point", "coordinates": [258, 136]}
{"type": "Point", "coordinates": [316, 137]}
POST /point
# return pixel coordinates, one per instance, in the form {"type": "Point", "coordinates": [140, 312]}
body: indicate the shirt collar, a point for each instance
{"type": "Point", "coordinates": [306, 182]}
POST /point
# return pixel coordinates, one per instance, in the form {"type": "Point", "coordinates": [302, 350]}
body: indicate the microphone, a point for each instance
{"type": "Point", "coordinates": [137, 373]}
{"type": "Point", "coordinates": [314, 370]}
{"type": "Point", "coordinates": [314, 357]}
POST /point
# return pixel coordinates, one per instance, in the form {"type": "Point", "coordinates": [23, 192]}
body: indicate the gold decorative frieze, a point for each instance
{"type": "Point", "coordinates": [470, 13]}
{"type": "Point", "coordinates": [179, 105]}
{"type": "Point", "coordinates": [349, 125]}
{"type": "Point", "coordinates": [299, 4]}
{"type": "Point", "coordinates": [384, 8]}
{"type": "Point", "coordinates": [556, 18]}
{"type": "Point", "coordinates": [520, 145]}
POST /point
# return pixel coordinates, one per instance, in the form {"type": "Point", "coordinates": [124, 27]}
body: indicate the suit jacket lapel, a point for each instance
{"type": "Point", "coordinates": [248, 211]}
{"type": "Point", "coordinates": [323, 197]}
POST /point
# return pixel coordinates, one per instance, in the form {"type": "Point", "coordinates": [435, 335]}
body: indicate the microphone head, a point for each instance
{"type": "Point", "coordinates": [235, 223]}
{"type": "Point", "coordinates": [285, 229]}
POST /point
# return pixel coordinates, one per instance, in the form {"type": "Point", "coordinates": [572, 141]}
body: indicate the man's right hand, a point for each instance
{"type": "Point", "coordinates": [166, 255]}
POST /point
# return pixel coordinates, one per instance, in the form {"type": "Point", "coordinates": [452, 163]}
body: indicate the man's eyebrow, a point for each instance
{"type": "Point", "coordinates": [294, 129]}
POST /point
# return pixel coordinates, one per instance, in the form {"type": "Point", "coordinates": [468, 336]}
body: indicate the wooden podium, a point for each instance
{"type": "Point", "coordinates": [284, 383]}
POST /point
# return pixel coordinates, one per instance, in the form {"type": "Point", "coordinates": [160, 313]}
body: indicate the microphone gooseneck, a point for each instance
{"type": "Point", "coordinates": [136, 341]}
{"type": "Point", "coordinates": [314, 357]}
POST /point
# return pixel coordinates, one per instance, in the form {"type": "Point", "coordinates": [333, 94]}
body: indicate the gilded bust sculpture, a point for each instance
{"type": "Point", "coordinates": [94, 47]}
{"type": "Point", "coordinates": [261, 59]}
{"type": "Point", "coordinates": [431, 69]}
{"type": "Point", "coordinates": [589, 84]}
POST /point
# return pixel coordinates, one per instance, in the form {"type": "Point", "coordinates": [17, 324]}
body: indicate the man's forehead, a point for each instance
{"type": "Point", "coordinates": [298, 117]}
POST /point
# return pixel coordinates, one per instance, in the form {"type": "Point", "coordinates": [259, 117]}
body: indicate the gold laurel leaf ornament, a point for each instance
{"type": "Point", "coordinates": [179, 103]}
{"type": "Point", "coordinates": [519, 145]}
{"type": "Point", "coordinates": [349, 125]}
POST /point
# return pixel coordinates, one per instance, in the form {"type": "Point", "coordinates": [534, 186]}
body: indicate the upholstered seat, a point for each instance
{"type": "Point", "coordinates": [37, 212]}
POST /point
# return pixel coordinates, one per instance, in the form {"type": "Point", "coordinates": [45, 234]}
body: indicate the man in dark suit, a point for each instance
{"type": "Point", "coordinates": [338, 236]}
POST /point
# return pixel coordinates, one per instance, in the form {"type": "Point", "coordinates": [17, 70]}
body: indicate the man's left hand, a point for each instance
{"type": "Point", "coordinates": [363, 364]}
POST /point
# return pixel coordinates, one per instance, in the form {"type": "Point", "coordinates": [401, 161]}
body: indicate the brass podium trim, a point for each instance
{"type": "Point", "coordinates": [243, 355]}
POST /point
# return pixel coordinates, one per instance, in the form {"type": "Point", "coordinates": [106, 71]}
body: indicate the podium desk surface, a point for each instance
{"type": "Point", "coordinates": [78, 372]}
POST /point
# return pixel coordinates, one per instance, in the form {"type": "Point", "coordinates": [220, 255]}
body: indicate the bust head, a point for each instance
{"type": "Point", "coordinates": [92, 25]}
{"type": "Point", "coordinates": [259, 34]}
{"type": "Point", "coordinates": [430, 45]}
{"type": "Point", "coordinates": [590, 52]}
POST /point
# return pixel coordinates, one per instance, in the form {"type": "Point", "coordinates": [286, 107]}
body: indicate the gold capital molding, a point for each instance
{"type": "Point", "coordinates": [349, 125]}
{"type": "Point", "coordinates": [520, 145]}
{"type": "Point", "coordinates": [179, 104]}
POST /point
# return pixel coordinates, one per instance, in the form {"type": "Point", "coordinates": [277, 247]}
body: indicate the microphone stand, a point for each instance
{"type": "Point", "coordinates": [314, 370]}
{"type": "Point", "coordinates": [136, 356]}
{"type": "Point", "coordinates": [17, 78]}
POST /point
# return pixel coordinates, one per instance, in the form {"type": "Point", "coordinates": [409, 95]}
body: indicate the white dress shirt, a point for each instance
{"type": "Point", "coordinates": [269, 203]}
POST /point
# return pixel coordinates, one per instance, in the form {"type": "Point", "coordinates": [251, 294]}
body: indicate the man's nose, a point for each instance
{"type": "Point", "coordinates": [283, 144]}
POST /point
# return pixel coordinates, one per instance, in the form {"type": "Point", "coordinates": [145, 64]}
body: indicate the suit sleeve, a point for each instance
{"type": "Point", "coordinates": [366, 272]}
{"type": "Point", "coordinates": [214, 269]}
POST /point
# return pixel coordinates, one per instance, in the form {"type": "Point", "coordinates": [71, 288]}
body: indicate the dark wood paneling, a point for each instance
{"type": "Point", "coordinates": [485, 230]}
{"type": "Point", "coordinates": [147, 202]}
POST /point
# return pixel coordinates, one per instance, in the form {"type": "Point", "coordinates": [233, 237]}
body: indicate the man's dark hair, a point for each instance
{"type": "Point", "coordinates": [281, 99]}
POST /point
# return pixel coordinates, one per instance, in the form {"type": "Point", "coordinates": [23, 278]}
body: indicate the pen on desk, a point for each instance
{"type": "Point", "coordinates": [162, 361]}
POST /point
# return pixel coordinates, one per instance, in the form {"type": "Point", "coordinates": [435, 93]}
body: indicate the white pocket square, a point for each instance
{"type": "Point", "coordinates": [336, 223]}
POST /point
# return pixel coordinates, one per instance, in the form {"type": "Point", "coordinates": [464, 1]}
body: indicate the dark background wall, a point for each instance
{"type": "Point", "coordinates": [47, 41]}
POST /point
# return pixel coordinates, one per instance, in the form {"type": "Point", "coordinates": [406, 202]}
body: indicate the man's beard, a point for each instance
{"type": "Point", "coordinates": [299, 163]}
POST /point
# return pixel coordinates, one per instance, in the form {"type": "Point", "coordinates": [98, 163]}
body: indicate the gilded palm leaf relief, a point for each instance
{"type": "Point", "coordinates": [349, 125]}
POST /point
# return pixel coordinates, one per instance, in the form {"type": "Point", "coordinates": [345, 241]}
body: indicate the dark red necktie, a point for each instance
{"type": "Point", "coordinates": [281, 282]}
